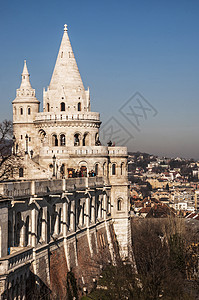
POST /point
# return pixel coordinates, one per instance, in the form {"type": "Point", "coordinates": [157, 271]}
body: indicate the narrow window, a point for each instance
{"type": "Point", "coordinates": [21, 137]}
{"type": "Point", "coordinates": [79, 106]}
{"type": "Point", "coordinates": [122, 167]}
{"type": "Point", "coordinates": [62, 140]}
{"type": "Point", "coordinates": [54, 140]}
{"type": "Point", "coordinates": [62, 54]}
{"type": "Point", "coordinates": [76, 140]}
{"type": "Point", "coordinates": [28, 110]}
{"type": "Point", "coordinates": [29, 139]}
{"type": "Point", "coordinates": [20, 172]}
{"type": "Point", "coordinates": [96, 169]}
{"type": "Point", "coordinates": [21, 111]}
{"type": "Point", "coordinates": [62, 106]}
{"type": "Point", "coordinates": [113, 169]}
{"type": "Point", "coordinates": [119, 205]}
{"type": "Point", "coordinates": [48, 107]}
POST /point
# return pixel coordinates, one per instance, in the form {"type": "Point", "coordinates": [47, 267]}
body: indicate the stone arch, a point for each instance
{"type": "Point", "coordinates": [77, 139]}
{"type": "Point", "coordinates": [62, 139]}
{"type": "Point", "coordinates": [29, 110]}
{"type": "Point", "coordinates": [85, 140]}
{"type": "Point", "coordinates": [83, 166]}
{"type": "Point", "coordinates": [97, 168]}
{"type": "Point", "coordinates": [54, 140]}
{"type": "Point", "coordinates": [122, 168]}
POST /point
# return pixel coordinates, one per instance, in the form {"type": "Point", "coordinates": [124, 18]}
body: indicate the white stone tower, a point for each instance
{"type": "Point", "coordinates": [25, 109]}
{"type": "Point", "coordinates": [64, 138]}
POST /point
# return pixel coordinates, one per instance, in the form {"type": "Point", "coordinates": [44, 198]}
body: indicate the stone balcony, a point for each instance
{"type": "Point", "coordinates": [63, 116]}
{"type": "Point", "coordinates": [18, 259]}
{"type": "Point", "coordinates": [25, 189]}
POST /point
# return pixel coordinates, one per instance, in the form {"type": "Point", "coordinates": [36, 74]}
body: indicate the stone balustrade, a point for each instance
{"type": "Point", "coordinates": [83, 116]}
{"type": "Point", "coordinates": [85, 150]}
{"type": "Point", "coordinates": [16, 260]}
{"type": "Point", "coordinates": [27, 188]}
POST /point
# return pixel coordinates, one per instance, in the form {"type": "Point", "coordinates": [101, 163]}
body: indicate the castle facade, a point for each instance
{"type": "Point", "coordinates": [69, 185]}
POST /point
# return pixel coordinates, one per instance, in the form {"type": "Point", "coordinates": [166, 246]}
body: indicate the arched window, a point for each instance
{"type": "Point", "coordinates": [119, 204]}
{"type": "Point", "coordinates": [48, 107]}
{"type": "Point", "coordinates": [122, 168]}
{"type": "Point", "coordinates": [79, 108]}
{"type": "Point", "coordinates": [20, 172]}
{"type": "Point", "coordinates": [76, 139]}
{"type": "Point", "coordinates": [62, 140]}
{"type": "Point", "coordinates": [113, 169]}
{"type": "Point", "coordinates": [104, 169]}
{"type": "Point", "coordinates": [62, 106]}
{"type": "Point", "coordinates": [21, 111]}
{"type": "Point", "coordinates": [28, 110]}
{"type": "Point", "coordinates": [85, 141]}
{"type": "Point", "coordinates": [96, 169]}
{"type": "Point", "coordinates": [54, 140]}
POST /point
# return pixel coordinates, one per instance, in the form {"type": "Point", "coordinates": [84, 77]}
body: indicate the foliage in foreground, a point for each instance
{"type": "Point", "coordinates": [162, 254]}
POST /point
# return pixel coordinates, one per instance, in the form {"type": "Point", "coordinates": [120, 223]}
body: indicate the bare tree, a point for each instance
{"type": "Point", "coordinates": [10, 160]}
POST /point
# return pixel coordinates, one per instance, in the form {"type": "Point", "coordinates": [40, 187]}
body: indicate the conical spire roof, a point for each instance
{"type": "Point", "coordinates": [25, 81]}
{"type": "Point", "coordinates": [25, 93]}
{"type": "Point", "coordinates": [66, 74]}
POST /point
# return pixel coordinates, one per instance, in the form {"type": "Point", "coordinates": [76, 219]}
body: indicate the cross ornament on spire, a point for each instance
{"type": "Point", "coordinates": [65, 27]}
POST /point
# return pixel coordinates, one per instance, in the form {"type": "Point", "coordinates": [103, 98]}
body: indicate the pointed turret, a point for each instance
{"type": "Point", "coordinates": [66, 73]}
{"type": "Point", "coordinates": [66, 85]}
{"type": "Point", "coordinates": [25, 93]}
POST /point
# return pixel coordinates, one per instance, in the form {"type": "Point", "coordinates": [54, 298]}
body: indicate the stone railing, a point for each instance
{"type": "Point", "coordinates": [41, 187]}
{"type": "Point", "coordinates": [85, 150]}
{"type": "Point", "coordinates": [62, 116]}
{"type": "Point", "coordinates": [16, 260]}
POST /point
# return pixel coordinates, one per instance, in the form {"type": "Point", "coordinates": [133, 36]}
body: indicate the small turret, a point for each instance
{"type": "Point", "coordinates": [25, 108]}
{"type": "Point", "coordinates": [25, 105]}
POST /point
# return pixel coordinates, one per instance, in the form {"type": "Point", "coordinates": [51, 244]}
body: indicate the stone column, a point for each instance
{"type": "Point", "coordinates": [22, 235]}
{"type": "Point", "coordinates": [56, 230]}
{"type": "Point", "coordinates": [93, 208]}
{"type": "Point", "coordinates": [87, 212]}
{"type": "Point", "coordinates": [65, 218]}
{"type": "Point", "coordinates": [105, 206]}
{"type": "Point", "coordinates": [44, 225]}
{"type": "Point", "coordinates": [72, 216]}
{"type": "Point", "coordinates": [33, 232]}
{"type": "Point", "coordinates": [80, 215]}
{"type": "Point", "coordinates": [29, 232]}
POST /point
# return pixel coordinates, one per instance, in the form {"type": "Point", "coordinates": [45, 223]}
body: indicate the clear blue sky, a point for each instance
{"type": "Point", "coordinates": [121, 47]}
